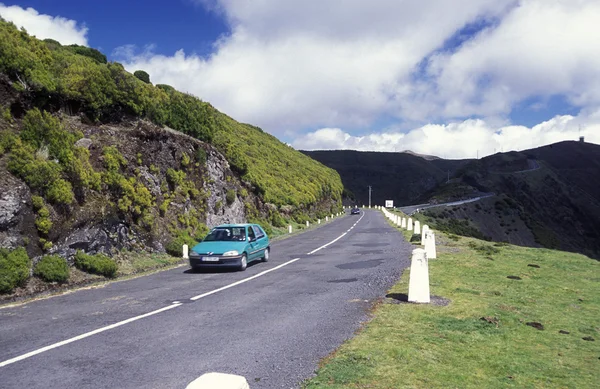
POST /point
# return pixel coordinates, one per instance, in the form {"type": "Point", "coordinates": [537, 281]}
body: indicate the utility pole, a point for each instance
{"type": "Point", "coordinates": [369, 196]}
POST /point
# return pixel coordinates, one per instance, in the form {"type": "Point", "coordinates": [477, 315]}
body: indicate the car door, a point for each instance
{"type": "Point", "coordinates": [254, 251]}
{"type": "Point", "coordinates": [261, 238]}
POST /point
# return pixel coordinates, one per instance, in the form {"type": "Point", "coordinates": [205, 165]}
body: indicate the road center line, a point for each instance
{"type": "Point", "coordinates": [175, 304]}
{"type": "Point", "coordinates": [83, 336]}
{"type": "Point", "coordinates": [244, 280]}
{"type": "Point", "coordinates": [336, 239]}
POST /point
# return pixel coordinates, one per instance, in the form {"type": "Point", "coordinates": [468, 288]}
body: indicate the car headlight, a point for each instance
{"type": "Point", "coordinates": [230, 253]}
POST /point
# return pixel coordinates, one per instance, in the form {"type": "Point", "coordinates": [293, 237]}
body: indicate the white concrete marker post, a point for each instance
{"type": "Point", "coordinates": [410, 224]}
{"type": "Point", "coordinates": [403, 223]}
{"type": "Point", "coordinates": [307, 224]}
{"type": "Point", "coordinates": [185, 250]}
{"type": "Point", "coordinates": [290, 229]}
{"type": "Point", "coordinates": [430, 245]}
{"type": "Point", "coordinates": [326, 218]}
{"type": "Point", "coordinates": [417, 227]}
{"type": "Point", "coordinates": [418, 286]}
{"type": "Point", "coordinates": [424, 234]}
{"type": "Point", "coordinates": [219, 381]}
{"type": "Point", "coordinates": [319, 221]}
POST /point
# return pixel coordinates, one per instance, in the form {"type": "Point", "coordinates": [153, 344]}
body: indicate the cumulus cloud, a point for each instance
{"type": "Point", "coordinates": [64, 30]}
{"type": "Point", "coordinates": [287, 64]}
{"type": "Point", "coordinates": [456, 140]}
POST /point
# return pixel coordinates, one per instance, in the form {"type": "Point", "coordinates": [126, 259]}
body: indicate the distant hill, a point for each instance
{"type": "Point", "coordinates": [402, 177]}
{"type": "Point", "coordinates": [545, 197]}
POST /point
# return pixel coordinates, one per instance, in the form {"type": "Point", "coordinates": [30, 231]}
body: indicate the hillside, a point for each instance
{"type": "Point", "coordinates": [549, 196]}
{"type": "Point", "coordinates": [402, 177]}
{"type": "Point", "coordinates": [95, 158]}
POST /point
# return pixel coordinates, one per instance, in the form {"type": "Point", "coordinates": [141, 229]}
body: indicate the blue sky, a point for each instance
{"type": "Point", "coordinates": [429, 76]}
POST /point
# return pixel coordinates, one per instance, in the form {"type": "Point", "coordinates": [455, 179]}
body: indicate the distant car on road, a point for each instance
{"type": "Point", "coordinates": [231, 245]}
{"type": "Point", "coordinates": [355, 211]}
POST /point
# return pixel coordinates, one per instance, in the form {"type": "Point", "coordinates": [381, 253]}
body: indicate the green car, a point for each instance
{"type": "Point", "coordinates": [231, 245]}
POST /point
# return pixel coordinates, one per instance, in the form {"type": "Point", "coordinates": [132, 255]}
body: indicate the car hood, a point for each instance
{"type": "Point", "coordinates": [218, 247]}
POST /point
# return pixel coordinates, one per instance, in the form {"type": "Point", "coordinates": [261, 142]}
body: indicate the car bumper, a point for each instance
{"type": "Point", "coordinates": [197, 262]}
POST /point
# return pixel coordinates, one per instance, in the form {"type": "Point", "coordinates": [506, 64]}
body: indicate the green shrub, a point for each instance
{"type": "Point", "coordinates": [52, 268]}
{"type": "Point", "coordinates": [175, 246]}
{"type": "Point", "coordinates": [113, 160]}
{"type": "Point", "coordinates": [14, 269]}
{"type": "Point", "coordinates": [38, 202]}
{"type": "Point", "coordinates": [87, 51]}
{"type": "Point", "coordinates": [185, 160]}
{"type": "Point", "coordinates": [201, 156]}
{"type": "Point", "coordinates": [142, 76]}
{"type": "Point", "coordinates": [42, 221]}
{"type": "Point", "coordinates": [231, 196]}
{"type": "Point", "coordinates": [96, 264]}
{"type": "Point", "coordinates": [175, 177]}
{"type": "Point", "coordinates": [60, 192]}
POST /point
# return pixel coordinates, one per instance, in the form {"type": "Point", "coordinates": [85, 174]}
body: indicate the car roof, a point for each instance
{"type": "Point", "coordinates": [235, 225]}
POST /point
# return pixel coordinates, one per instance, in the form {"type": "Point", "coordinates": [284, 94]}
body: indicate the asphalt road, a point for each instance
{"type": "Point", "coordinates": [272, 328]}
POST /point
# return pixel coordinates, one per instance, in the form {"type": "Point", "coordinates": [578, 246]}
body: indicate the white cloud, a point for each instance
{"type": "Point", "coordinates": [287, 64]}
{"type": "Point", "coordinates": [465, 139]}
{"type": "Point", "coordinates": [540, 48]}
{"type": "Point", "coordinates": [64, 30]}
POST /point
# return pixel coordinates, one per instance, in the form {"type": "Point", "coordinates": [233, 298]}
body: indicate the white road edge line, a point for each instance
{"type": "Point", "coordinates": [336, 239]}
{"type": "Point", "coordinates": [244, 280]}
{"type": "Point", "coordinates": [83, 336]}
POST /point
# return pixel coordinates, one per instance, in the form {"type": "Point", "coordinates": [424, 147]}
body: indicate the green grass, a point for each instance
{"type": "Point", "coordinates": [427, 346]}
{"type": "Point", "coordinates": [130, 263]}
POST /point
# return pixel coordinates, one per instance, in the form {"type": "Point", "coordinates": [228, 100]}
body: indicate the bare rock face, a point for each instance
{"type": "Point", "coordinates": [219, 212]}
{"type": "Point", "coordinates": [98, 239]}
{"type": "Point", "coordinates": [14, 210]}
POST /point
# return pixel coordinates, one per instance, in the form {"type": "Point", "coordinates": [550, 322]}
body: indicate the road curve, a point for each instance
{"type": "Point", "coordinates": [273, 328]}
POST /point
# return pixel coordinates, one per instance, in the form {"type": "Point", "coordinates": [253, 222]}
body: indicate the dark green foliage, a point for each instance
{"type": "Point", "coordinates": [14, 269]}
{"type": "Point", "coordinates": [231, 196]}
{"type": "Point", "coordinates": [201, 156]}
{"type": "Point", "coordinates": [96, 264]}
{"type": "Point", "coordinates": [52, 268]}
{"type": "Point", "coordinates": [175, 246]}
{"type": "Point", "coordinates": [415, 238]}
{"type": "Point", "coordinates": [142, 76]}
{"type": "Point", "coordinates": [88, 52]}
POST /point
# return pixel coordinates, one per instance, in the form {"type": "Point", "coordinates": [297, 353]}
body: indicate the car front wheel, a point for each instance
{"type": "Point", "coordinates": [243, 263]}
{"type": "Point", "coordinates": [265, 257]}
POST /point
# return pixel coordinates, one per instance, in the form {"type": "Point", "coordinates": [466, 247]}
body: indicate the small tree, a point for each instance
{"type": "Point", "coordinates": [142, 75]}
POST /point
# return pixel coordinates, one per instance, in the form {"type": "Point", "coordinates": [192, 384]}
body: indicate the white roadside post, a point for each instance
{"type": "Point", "coordinates": [424, 234]}
{"type": "Point", "coordinates": [417, 227]}
{"type": "Point", "coordinates": [185, 250]}
{"type": "Point", "coordinates": [430, 245]}
{"type": "Point", "coordinates": [403, 225]}
{"type": "Point", "coordinates": [326, 218]}
{"type": "Point", "coordinates": [220, 381]}
{"type": "Point", "coordinates": [319, 221]}
{"type": "Point", "coordinates": [410, 224]}
{"type": "Point", "coordinates": [290, 229]}
{"type": "Point", "coordinates": [418, 286]}
{"type": "Point", "coordinates": [307, 224]}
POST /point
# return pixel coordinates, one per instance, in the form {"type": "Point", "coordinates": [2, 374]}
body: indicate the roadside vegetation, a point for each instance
{"type": "Point", "coordinates": [516, 317]}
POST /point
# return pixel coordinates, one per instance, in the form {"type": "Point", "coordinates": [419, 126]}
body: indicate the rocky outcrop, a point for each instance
{"type": "Point", "coordinates": [15, 209]}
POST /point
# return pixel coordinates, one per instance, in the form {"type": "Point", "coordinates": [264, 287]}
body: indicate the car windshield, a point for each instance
{"type": "Point", "coordinates": [226, 234]}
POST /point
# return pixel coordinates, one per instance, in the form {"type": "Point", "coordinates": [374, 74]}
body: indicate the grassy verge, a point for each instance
{"type": "Point", "coordinates": [481, 339]}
